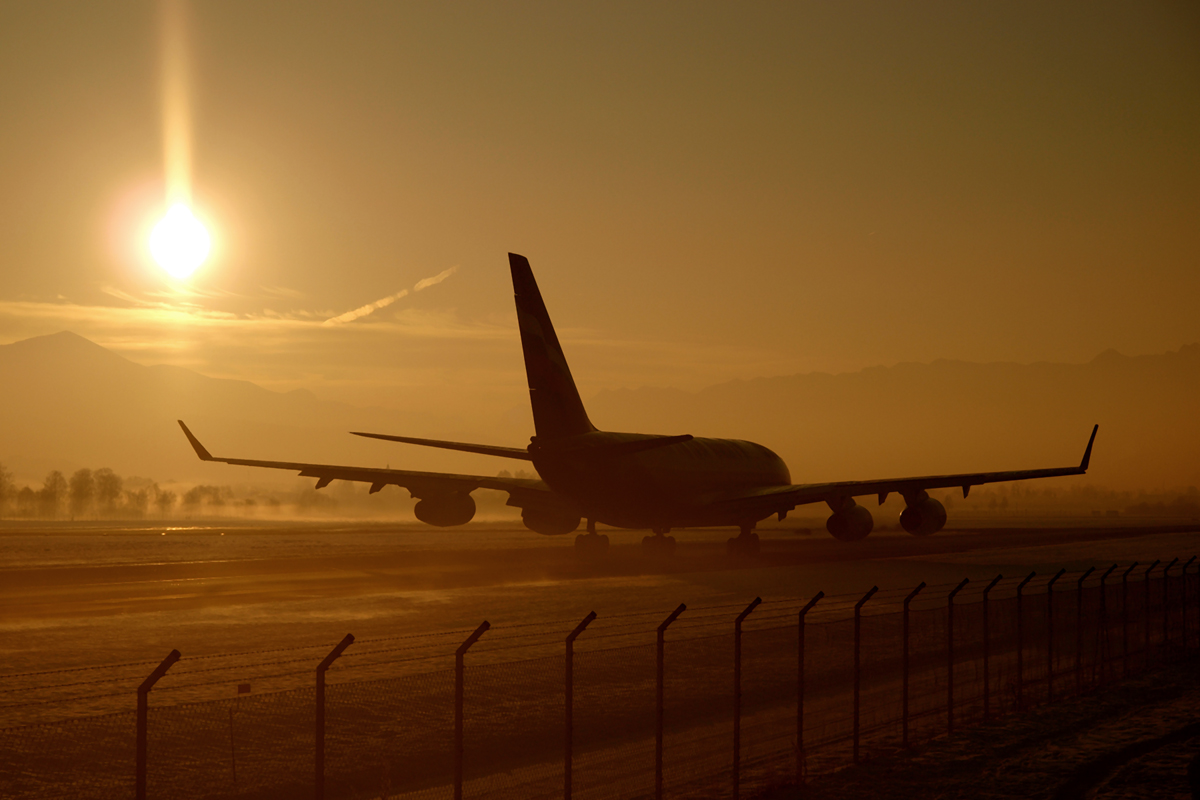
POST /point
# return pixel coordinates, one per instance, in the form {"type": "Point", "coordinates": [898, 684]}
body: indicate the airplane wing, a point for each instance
{"type": "Point", "coordinates": [778, 499]}
{"type": "Point", "coordinates": [523, 492]}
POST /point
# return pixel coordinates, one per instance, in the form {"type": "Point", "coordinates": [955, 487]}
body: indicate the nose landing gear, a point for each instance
{"type": "Point", "coordinates": [744, 544]}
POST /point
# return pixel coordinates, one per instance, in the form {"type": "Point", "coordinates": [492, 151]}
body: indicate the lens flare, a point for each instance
{"type": "Point", "coordinates": [179, 242]}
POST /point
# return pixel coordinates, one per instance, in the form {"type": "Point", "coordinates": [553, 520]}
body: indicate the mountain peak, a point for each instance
{"type": "Point", "coordinates": [1110, 356]}
{"type": "Point", "coordinates": [63, 346]}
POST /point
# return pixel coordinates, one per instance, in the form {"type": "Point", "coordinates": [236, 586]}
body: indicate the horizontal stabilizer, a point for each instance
{"type": "Point", "coordinates": [466, 447]}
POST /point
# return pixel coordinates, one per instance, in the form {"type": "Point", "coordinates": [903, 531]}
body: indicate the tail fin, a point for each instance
{"type": "Point", "coordinates": [557, 409]}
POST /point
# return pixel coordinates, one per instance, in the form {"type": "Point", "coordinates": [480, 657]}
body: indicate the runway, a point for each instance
{"type": "Point", "coordinates": [77, 595]}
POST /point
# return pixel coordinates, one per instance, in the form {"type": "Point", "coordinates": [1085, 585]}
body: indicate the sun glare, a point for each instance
{"type": "Point", "coordinates": [179, 242]}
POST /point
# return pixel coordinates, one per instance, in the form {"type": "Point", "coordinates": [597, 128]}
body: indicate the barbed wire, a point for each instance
{"type": "Point", "coordinates": [11, 675]}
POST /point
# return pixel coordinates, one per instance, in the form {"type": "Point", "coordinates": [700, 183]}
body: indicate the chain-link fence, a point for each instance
{"type": "Point", "coordinates": [805, 687]}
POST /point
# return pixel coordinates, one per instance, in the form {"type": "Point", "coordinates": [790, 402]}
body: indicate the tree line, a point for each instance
{"type": "Point", "coordinates": [103, 494]}
{"type": "Point", "coordinates": [87, 494]}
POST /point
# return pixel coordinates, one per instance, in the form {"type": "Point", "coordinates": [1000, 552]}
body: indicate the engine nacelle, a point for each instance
{"type": "Point", "coordinates": [851, 524]}
{"type": "Point", "coordinates": [550, 523]}
{"type": "Point", "coordinates": [923, 517]}
{"type": "Point", "coordinates": [446, 511]}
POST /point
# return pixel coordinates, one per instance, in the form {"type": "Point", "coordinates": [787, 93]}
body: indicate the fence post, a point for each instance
{"type": "Point", "coordinates": [987, 649]}
{"type": "Point", "coordinates": [1050, 635]}
{"type": "Point", "coordinates": [319, 761]}
{"type": "Point", "coordinates": [1102, 656]}
{"type": "Point", "coordinates": [1166, 607]}
{"type": "Point", "coordinates": [1125, 620]}
{"type": "Point", "coordinates": [658, 708]}
{"type": "Point", "coordinates": [1183, 602]}
{"type": "Point", "coordinates": [458, 705]}
{"type": "Point", "coordinates": [143, 709]}
{"type": "Point", "coordinates": [737, 695]}
{"type": "Point", "coordinates": [904, 690]}
{"type": "Point", "coordinates": [1146, 581]}
{"type": "Point", "coordinates": [800, 756]}
{"type": "Point", "coordinates": [857, 661]}
{"type": "Point", "coordinates": [950, 655]}
{"type": "Point", "coordinates": [1079, 629]}
{"type": "Point", "coordinates": [1021, 642]}
{"type": "Point", "coordinates": [569, 694]}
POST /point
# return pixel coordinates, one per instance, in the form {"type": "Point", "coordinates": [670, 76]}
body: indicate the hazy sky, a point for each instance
{"type": "Point", "coordinates": [705, 191]}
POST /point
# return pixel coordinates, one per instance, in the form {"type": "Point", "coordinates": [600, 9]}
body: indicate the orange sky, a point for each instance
{"type": "Point", "coordinates": [705, 191]}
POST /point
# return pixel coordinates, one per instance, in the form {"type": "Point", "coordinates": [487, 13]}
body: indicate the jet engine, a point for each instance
{"type": "Point", "coordinates": [923, 517]}
{"type": "Point", "coordinates": [447, 510]}
{"type": "Point", "coordinates": [851, 524]}
{"type": "Point", "coordinates": [549, 522]}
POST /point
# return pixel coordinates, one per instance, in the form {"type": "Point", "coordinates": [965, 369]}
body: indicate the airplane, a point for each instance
{"type": "Point", "coordinates": [635, 480]}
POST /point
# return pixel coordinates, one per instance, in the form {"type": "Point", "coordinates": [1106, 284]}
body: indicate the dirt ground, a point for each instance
{"type": "Point", "coordinates": [1132, 740]}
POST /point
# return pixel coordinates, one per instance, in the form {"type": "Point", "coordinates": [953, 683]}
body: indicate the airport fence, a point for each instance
{"type": "Point", "coordinates": [718, 701]}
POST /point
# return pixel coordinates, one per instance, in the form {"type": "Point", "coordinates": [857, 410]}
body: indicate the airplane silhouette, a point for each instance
{"type": "Point", "coordinates": [634, 480]}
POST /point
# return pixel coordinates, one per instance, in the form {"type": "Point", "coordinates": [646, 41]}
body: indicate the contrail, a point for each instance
{"type": "Point", "coordinates": [383, 302]}
{"type": "Point", "coordinates": [369, 308]}
{"type": "Point", "coordinates": [441, 276]}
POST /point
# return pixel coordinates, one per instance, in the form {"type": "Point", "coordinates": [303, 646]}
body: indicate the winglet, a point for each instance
{"type": "Point", "coordinates": [206, 456]}
{"type": "Point", "coordinates": [1087, 454]}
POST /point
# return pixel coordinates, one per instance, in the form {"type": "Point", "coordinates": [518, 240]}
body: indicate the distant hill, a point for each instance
{"type": "Point", "coordinates": [950, 416]}
{"type": "Point", "coordinates": [66, 403]}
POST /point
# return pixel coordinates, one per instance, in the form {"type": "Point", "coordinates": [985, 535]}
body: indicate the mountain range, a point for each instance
{"type": "Point", "coordinates": [66, 402]}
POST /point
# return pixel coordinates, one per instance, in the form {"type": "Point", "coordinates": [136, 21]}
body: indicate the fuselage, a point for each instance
{"type": "Point", "coordinates": [664, 487]}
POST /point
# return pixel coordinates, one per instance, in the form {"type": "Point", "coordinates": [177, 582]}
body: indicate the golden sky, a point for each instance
{"type": "Point", "coordinates": [706, 191]}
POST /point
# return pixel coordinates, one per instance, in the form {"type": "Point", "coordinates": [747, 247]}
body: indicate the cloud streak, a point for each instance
{"type": "Point", "coordinates": [425, 283]}
{"type": "Point", "coordinates": [369, 308]}
{"type": "Point", "coordinates": [384, 302]}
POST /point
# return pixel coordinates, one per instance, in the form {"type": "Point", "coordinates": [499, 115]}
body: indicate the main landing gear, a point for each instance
{"type": "Point", "coordinates": [744, 544]}
{"type": "Point", "coordinates": [591, 543]}
{"type": "Point", "coordinates": [659, 544]}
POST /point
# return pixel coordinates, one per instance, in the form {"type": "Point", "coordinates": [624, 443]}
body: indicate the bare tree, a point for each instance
{"type": "Point", "coordinates": [6, 488]}
{"type": "Point", "coordinates": [215, 496]}
{"type": "Point", "coordinates": [108, 489]}
{"type": "Point", "coordinates": [164, 500]}
{"type": "Point", "coordinates": [137, 502]}
{"type": "Point", "coordinates": [26, 502]}
{"type": "Point", "coordinates": [54, 491]}
{"type": "Point", "coordinates": [82, 490]}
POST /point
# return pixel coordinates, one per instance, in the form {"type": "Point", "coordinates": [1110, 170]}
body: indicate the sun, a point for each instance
{"type": "Point", "coordinates": [179, 242]}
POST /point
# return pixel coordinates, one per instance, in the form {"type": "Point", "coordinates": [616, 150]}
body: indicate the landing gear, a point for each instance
{"type": "Point", "coordinates": [659, 544]}
{"type": "Point", "coordinates": [744, 544]}
{"type": "Point", "coordinates": [591, 543]}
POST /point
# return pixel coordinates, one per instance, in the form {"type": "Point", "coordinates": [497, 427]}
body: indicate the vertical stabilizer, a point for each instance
{"type": "Point", "coordinates": [557, 409]}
